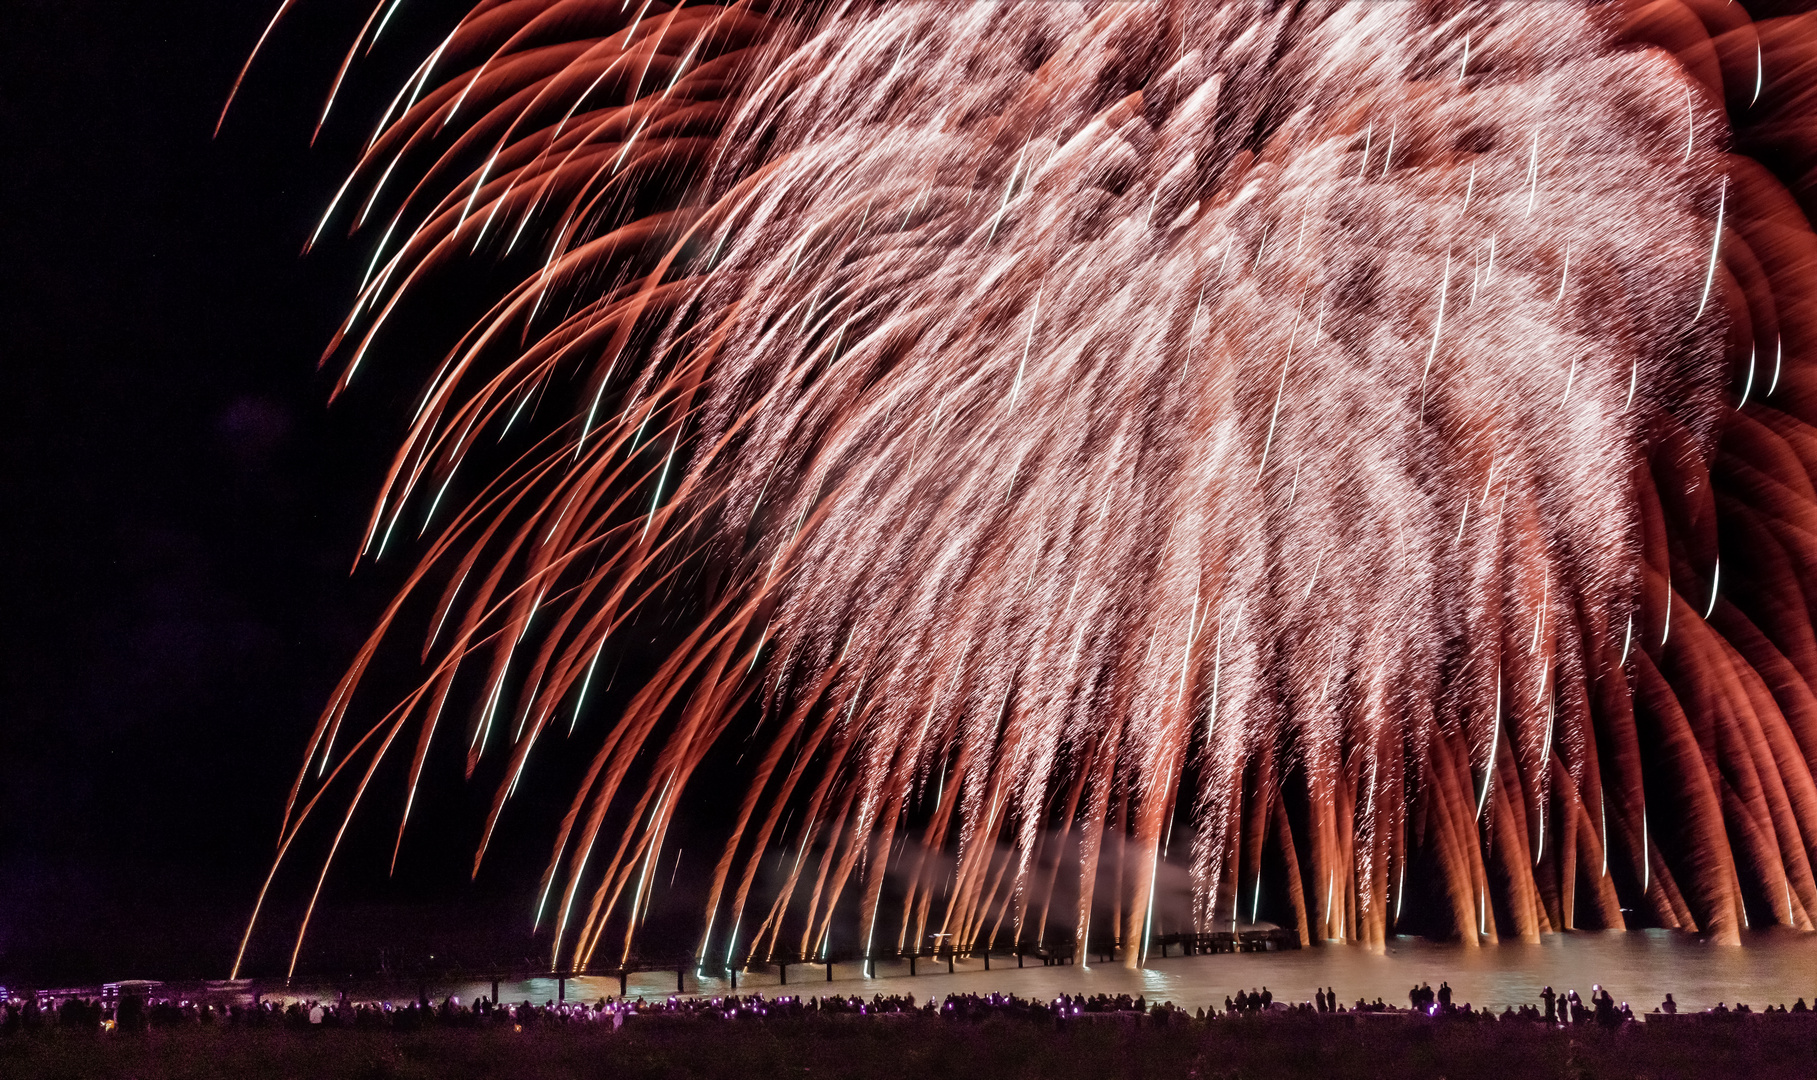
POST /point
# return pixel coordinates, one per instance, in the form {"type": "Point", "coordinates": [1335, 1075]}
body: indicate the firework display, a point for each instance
{"type": "Point", "coordinates": [1356, 452]}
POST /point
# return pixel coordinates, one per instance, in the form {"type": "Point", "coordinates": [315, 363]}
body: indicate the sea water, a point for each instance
{"type": "Point", "coordinates": [1639, 967]}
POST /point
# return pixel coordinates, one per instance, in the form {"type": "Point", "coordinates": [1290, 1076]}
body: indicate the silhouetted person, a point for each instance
{"type": "Point", "coordinates": [1444, 995]}
{"type": "Point", "coordinates": [129, 1014]}
{"type": "Point", "coordinates": [1321, 999]}
{"type": "Point", "coordinates": [1267, 997]}
{"type": "Point", "coordinates": [1551, 1000]}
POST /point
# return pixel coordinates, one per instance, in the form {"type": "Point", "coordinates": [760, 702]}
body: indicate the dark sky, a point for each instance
{"type": "Point", "coordinates": [180, 506]}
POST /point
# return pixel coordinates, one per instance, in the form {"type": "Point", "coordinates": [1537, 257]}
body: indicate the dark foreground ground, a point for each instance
{"type": "Point", "coordinates": [1265, 1049]}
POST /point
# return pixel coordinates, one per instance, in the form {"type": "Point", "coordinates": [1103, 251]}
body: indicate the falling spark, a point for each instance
{"type": "Point", "coordinates": [1709, 277]}
{"type": "Point", "coordinates": [1027, 344]}
{"type": "Point", "coordinates": [1532, 178]}
{"type": "Point", "coordinates": [1438, 322]}
{"type": "Point", "coordinates": [1690, 124]}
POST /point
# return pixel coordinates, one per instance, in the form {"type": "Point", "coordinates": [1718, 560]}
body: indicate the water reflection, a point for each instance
{"type": "Point", "coordinates": [1638, 967]}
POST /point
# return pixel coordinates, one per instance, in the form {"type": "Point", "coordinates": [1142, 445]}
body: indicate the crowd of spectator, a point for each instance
{"type": "Point", "coordinates": [132, 1013]}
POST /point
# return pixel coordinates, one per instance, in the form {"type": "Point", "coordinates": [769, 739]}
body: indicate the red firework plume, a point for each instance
{"type": "Point", "coordinates": [1370, 438]}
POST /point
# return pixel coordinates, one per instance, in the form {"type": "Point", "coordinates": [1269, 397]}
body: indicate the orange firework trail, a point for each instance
{"type": "Point", "coordinates": [1372, 439]}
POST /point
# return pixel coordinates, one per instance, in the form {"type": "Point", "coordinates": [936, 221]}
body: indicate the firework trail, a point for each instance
{"type": "Point", "coordinates": [1315, 429]}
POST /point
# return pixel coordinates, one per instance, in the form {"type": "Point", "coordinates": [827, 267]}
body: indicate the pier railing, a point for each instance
{"type": "Point", "coordinates": [1023, 954]}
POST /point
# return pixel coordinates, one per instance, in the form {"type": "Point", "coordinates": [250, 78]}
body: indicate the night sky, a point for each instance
{"type": "Point", "coordinates": [181, 506]}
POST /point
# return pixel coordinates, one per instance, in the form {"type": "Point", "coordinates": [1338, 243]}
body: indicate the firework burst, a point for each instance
{"type": "Point", "coordinates": [1315, 429]}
